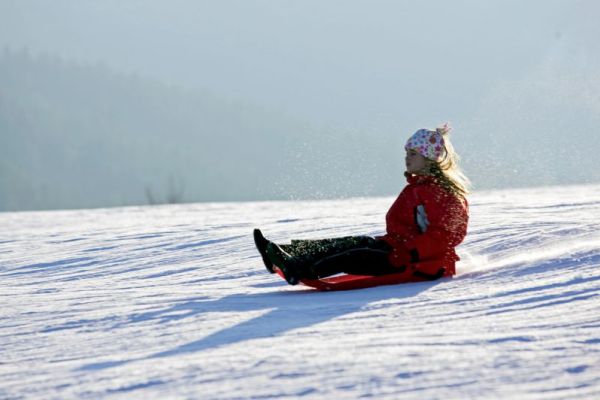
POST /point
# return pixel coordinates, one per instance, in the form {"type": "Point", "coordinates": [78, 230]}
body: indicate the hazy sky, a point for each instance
{"type": "Point", "coordinates": [354, 63]}
{"type": "Point", "coordinates": [516, 78]}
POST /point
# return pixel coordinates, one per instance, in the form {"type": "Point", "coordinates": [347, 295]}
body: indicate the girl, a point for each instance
{"type": "Point", "coordinates": [424, 225]}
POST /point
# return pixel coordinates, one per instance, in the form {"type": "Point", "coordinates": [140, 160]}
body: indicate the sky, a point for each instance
{"type": "Point", "coordinates": [502, 72]}
{"type": "Point", "coordinates": [348, 63]}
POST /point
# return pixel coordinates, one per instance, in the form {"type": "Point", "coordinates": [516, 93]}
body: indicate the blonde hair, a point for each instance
{"type": "Point", "coordinates": [447, 170]}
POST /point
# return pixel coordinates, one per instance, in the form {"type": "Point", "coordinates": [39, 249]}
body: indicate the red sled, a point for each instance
{"type": "Point", "coordinates": [349, 282]}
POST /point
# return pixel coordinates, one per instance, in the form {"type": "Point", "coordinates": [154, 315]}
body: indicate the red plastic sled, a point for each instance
{"type": "Point", "coordinates": [350, 282]}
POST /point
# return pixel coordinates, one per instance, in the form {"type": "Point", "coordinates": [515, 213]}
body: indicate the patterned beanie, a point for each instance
{"type": "Point", "coordinates": [430, 144]}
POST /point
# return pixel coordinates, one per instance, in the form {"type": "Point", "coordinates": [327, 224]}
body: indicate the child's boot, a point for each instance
{"type": "Point", "coordinates": [261, 245]}
{"type": "Point", "coordinates": [285, 262]}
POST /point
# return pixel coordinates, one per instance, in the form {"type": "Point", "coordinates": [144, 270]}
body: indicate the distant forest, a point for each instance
{"type": "Point", "coordinates": [78, 135]}
{"type": "Point", "coordinates": [81, 135]}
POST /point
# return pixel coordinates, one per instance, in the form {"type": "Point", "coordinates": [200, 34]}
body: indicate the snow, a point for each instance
{"type": "Point", "coordinates": [174, 302]}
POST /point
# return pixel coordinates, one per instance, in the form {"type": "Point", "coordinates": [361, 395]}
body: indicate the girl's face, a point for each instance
{"type": "Point", "coordinates": [415, 162]}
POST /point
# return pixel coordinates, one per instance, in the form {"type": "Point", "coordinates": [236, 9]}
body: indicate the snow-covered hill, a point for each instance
{"type": "Point", "coordinates": [173, 302]}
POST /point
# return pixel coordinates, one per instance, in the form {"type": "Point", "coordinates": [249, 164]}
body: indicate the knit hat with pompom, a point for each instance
{"type": "Point", "coordinates": [429, 143]}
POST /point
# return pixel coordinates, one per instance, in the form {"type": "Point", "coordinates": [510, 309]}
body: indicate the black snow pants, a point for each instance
{"type": "Point", "coordinates": [357, 255]}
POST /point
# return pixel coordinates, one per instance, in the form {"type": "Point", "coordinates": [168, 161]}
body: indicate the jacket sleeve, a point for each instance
{"type": "Point", "coordinates": [443, 223]}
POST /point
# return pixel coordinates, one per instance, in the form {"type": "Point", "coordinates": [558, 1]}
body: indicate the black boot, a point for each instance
{"type": "Point", "coordinates": [261, 245]}
{"type": "Point", "coordinates": [284, 261]}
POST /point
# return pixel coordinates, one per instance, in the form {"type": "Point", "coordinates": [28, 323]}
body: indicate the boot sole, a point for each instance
{"type": "Point", "coordinates": [259, 239]}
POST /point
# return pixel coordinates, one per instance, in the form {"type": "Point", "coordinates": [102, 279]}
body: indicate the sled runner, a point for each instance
{"type": "Point", "coordinates": [349, 282]}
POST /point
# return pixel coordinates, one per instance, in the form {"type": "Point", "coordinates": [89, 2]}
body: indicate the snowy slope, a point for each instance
{"type": "Point", "coordinates": [173, 302]}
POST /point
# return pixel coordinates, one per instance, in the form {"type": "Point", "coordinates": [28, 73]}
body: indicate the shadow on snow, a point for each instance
{"type": "Point", "coordinates": [284, 311]}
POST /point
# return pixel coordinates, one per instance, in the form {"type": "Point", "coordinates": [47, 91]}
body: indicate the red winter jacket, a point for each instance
{"type": "Point", "coordinates": [424, 225]}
